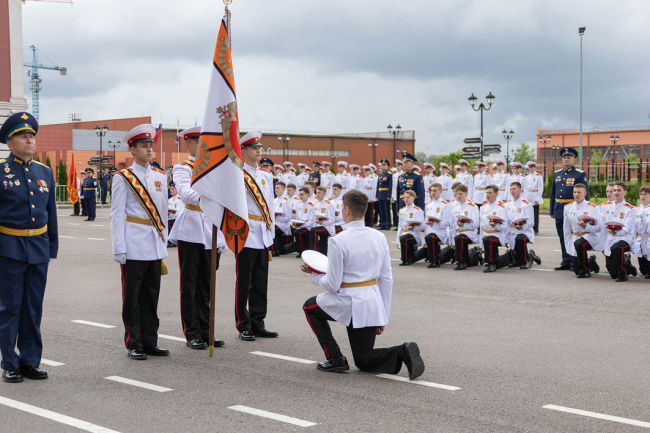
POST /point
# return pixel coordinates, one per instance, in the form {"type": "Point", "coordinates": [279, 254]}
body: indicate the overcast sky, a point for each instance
{"type": "Point", "coordinates": [352, 66]}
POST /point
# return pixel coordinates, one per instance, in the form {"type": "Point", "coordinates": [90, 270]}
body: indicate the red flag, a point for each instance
{"type": "Point", "coordinates": [72, 182]}
{"type": "Point", "coordinates": [217, 172]}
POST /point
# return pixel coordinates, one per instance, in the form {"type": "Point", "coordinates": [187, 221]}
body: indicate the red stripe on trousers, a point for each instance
{"type": "Point", "coordinates": [311, 307]}
{"type": "Point", "coordinates": [128, 333]}
{"type": "Point", "coordinates": [180, 285]}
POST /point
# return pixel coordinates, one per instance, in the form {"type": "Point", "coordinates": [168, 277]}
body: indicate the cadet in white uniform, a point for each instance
{"type": "Point", "coordinates": [481, 181]}
{"type": "Point", "coordinates": [370, 189]}
{"type": "Point", "coordinates": [289, 176]}
{"type": "Point", "coordinates": [301, 224]}
{"type": "Point", "coordinates": [321, 221]}
{"type": "Point", "coordinates": [534, 190]}
{"type": "Point", "coordinates": [642, 244]}
{"type": "Point", "coordinates": [252, 262]}
{"type": "Point", "coordinates": [326, 177]}
{"type": "Point", "coordinates": [494, 230]}
{"type": "Point", "coordinates": [438, 219]}
{"type": "Point", "coordinates": [446, 182]}
{"type": "Point", "coordinates": [139, 233]}
{"type": "Point", "coordinates": [502, 179]}
{"type": "Point", "coordinates": [582, 231]}
{"type": "Point", "coordinates": [464, 226]}
{"type": "Point", "coordinates": [521, 220]}
{"type": "Point", "coordinates": [283, 242]}
{"type": "Point", "coordinates": [428, 178]}
{"type": "Point", "coordinates": [358, 291]}
{"type": "Point", "coordinates": [516, 176]}
{"type": "Point", "coordinates": [399, 165]}
{"type": "Point", "coordinates": [174, 209]}
{"type": "Point", "coordinates": [411, 227]}
{"type": "Point", "coordinates": [465, 178]}
{"type": "Point", "coordinates": [620, 231]}
{"type": "Point", "coordinates": [193, 234]}
{"type": "Point", "coordinates": [341, 176]}
{"type": "Point", "coordinates": [337, 203]}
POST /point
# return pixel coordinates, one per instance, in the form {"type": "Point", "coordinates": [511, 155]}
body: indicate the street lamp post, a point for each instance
{"type": "Point", "coordinates": [395, 133]}
{"type": "Point", "coordinates": [114, 146]}
{"type": "Point", "coordinates": [101, 132]}
{"type": "Point", "coordinates": [284, 140]}
{"type": "Point", "coordinates": [373, 146]}
{"type": "Point", "coordinates": [507, 135]}
{"type": "Point", "coordinates": [581, 32]}
{"type": "Point", "coordinates": [481, 107]}
{"type": "Point", "coordinates": [614, 139]}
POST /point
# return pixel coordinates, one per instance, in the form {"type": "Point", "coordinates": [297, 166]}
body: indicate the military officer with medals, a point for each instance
{"type": "Point", "coordinates": [384, 187]}
{"type": "Point", "coordinates": [28, 243]}
{"type": "Point", "coordinates": [139, 232]}
{"type": "Point", "coordinates": [562, 194]}
{"type": "Point", "coordinates": [192, 232]}
{"type": "Point", "coordinates": [90, 194]}
{"type": "Point", "coordinates": [252, 262]}
{"type": "Point", "coordinates": [410, 180]}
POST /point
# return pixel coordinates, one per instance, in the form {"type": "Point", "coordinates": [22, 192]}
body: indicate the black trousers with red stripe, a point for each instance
{"type": "Point", "coordinates": [302, 237]}
{"type": "Point", "coordinates": [251, 288]}
{"type": "Point", "coordinates": [319, 237]}
{"type": "Point", "coordinates": [194, 265]}
{"type": "Point", "coordinates": [369, 218]}
{"type": "Point", "coordinates": [536, 218]}
{"type": "Point", "coordinates": [521, 250]}
{"type": "Point", "coordinates": [433, 247]}
{"type": "Point", "coordinates": [581, 260]}
{"type": "Point", "coordinates": [283, 243]}
{"type": "Point", "coordinates": [362, 343]}
{"type": "Point", "coordinates": [615, 262]}
{"type": "Point", "coordinates": [644, 266]}
{"type": "Point", "coordinates": [461, 249]}
{"type": "Point", "coordinates": [408, 246]}
{"type": "Point", "coordinates": [140, 291]}
{"type": "Point", "coordinates": [491, 247]}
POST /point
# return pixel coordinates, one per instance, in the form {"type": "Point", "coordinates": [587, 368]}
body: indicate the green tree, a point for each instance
{"type": "Point", "coordinates": [62, 173]}
{"type": "Point", "coordinates": [48, 162]}
{"type": "Point", "coordinates": [596, 157]}
{"type": "Point", "coordinates": [525, 153]}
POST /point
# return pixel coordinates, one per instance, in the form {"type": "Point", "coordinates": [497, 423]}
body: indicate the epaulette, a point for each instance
{"type": "Point", "coordinates": [189, 163]}
{"type": "Point", "coordinates": [471, 203]}
{"type": "Point", "coordinates": [157, 170]}
{"type": "Point", "coordinates": [525, 201]}
{"type": "Point", "coordinates": [607, 202]}
{"type": "Point", "coordinates": [403, 208]}
{"type": "Point", "coordinates": [570, 204]}
{"type": "Point", "coordinates": [591, 204]}
{"type": "Point", "coordinates": [328, 202]}
{"type": "Point", "coordinates": [445, 201]}
{"type": "Point", "coordinates": [2, 160]}
{"type": "Point", "coordinates": [40, 163]}
{"type": "Point", "coordinates": [416, 207]}
{"type": "Point", "coordinates": [629, 206]}
{"type": "Point", "coordinates": [579, 170]}
{"type": "Point", "coordinates": [501, 204]}
{"type": "Point", "coordinates": [560, 170]}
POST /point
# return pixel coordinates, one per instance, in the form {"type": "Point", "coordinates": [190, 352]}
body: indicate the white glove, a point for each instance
{"type": "Point", "coordinates": [50, 262]}
{"type": "Point", "coordinates": [221, 249]}
{"type": "Point", "coordinates": [120, 258]}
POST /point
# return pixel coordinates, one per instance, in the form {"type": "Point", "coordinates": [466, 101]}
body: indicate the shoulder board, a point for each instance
{"type": "Point", "coordinates": [592, 204]}
{"type": "Point", "coordinates": [41, 164]}
{"type": "Point", "coordinates": [445, 201]}
{"type": "Point", "coordinates": [157, 170]}
{"type": "Point", "coordinates": [416, 207]}
{"type": "Point", "coordinates": [470, 201]}
{"type": "Point", "coordinates": [2, 160]}
{"type": "Point", "coordinates": [403, 208]}
{"type": "Point", "coordinates": [559, 171]}
{"type": "Point", "coordinates": [501, 204]}
{"type": "Point", "coordinates": [578, 170]}
{"type": "Point", "coordinates": [188, 162]}
{"type": "Point", "coordinates": [571, 204]}
{"type": "Point", "coordinates": [328, 202]}
{"type": "Point", "coordinates": [627, 205]}
{"type": "Point", "coordinates": [525, 201]}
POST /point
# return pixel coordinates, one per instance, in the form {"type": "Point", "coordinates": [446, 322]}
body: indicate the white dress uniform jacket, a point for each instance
{"type": "Point", "coordinates": [440, 210]}
{"type": "Point", "coordinates": [623, 213]}
{"type": "Point", "coordinates": [502, 180]}
{"type": "Point", "coordinates": [356, 182]}
{"type": "Point", "coordinates": [468, 180]}
{"type": "Point", "coordinates": [518, 209]}
{"type": "Point", "coordinates": [325, 210]}
{"type": "Point", "coordinates": [282, 210]}
{"type": "Point", "coordinates": [288, 177]}
{"type": "Point", "coordinates": [144, 242]}
{"type": "Point", "coordinates": [260, 236]}
{"type": "Point", "coordinates": [174, 208]}
{"type": "Point", "coordinates": [327, 179]}
{"type": "Point", "coordinates": [534, 188]}
{"type": "Point", "coordinates": [303, 211]}
{"type": "Point", "coordinates": [481, 181]}
{"type": "Point", "coordinates": [515, 178]}
{"type": "Point", "coordinates": [446, 182]}
{"type": "Point", "coordinates": [342, 178]}
{"type": "Point", "coordinates": [410, 214]}
{"type": "Point", "coordinates": [501, 230]}
{"type": "Point", "coordinates": [370, 187]}
{"type": "Point", "coordinates": [393, 192]}
{"type": "Point", "coordinates": [642, 243]}
{"type": "Point", "coordinates": [357, 254]}
{"type": "Point", "coordinates": [572, 231]}
{"type": "Point", "coordinates": [466, 209]}
{"type": "Point", "coordinates": [337, 203]}
{"type": "Point", "coordinates": [428, 180]}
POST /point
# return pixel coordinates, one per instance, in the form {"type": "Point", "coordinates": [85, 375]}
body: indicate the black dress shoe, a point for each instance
{"type": "Point", "coordinates": [337, 365]}
{"type": "Point", "coordinates": [405, 264]}
{"type": "Point", "coordinates": [413, 360]}
{"type": "Point", "coordinates": [534, 257]}
{"type": "Point", "coordinates": [433, 265]}
{"type": "Point", "coordinates": [563, 268]}
{"type": "Point", "coordinates": [33, 373]}
{"type": "Point", "coordinates": [196, 344]}
{"type": "Point", "coordinates": [460, 267]}
{"type": "Point", "coordinates": [136, 354]}
{"type": "Point", "coordinates": [585, 275]}
{"type": "Point", "coordinates": [632, 271]}
{"type": "Point", "coordinates": [264, 333]}
{"type": "Point", "coordinates": [526, 266]}
{"type": "Point", "coordinates": [156, 351]}
{"type": "Point", "coordinates": [246, 336]}
{"type": "Point", "coordinates": [621, 278]}
{"type": "Point", "coordinates": [593, 265]}
{"type": "Point", "coordinates": [490, 268]}
{"type": "Point", "coordinates": [217, 342]}
{"type": "Point", "coordinates": [12, 376]}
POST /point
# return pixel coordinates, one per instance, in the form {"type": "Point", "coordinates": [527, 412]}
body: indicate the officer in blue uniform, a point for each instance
{"type": "Point", "coordinates": [104, 179]}
{"type": "Point", "coordinates": [90, 194]}
{"type": "Point", "coordinates": [315, 175]}
{"type": "Point", "coordinates": [267, 165]}
{"type": "Point", "coordinates": [384, 188]}
{"type": "Point", "coordinates": [562, 194]}
{"type": "Point", "coordinates": [410, 180]}
{"type": "Point", "coordinates": [28, 241]}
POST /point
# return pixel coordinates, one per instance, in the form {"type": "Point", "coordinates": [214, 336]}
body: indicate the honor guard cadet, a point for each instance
{"type": "Point", "coordinates": [358, 292]}
{"type": "Point", "coordinates": [481, 181]}
{"type": "Point", "coordinates": [534, 190]}
{"type": "Point", "coordinates": [446, 181]}
{"type": "Point", "coordinates": [139, 231]}
{"type": "Point", "coordinates": [301, 220]}
{"type": "Point", "coordinates": [502, 179]}
{"type": "Point", "coordinates": [466, 177]}
{"type": "Point", "coordinates": [438, 219]}
{"type": "Point", "coordinates": [384, 187]}
{"type": "Point", "coordinates": [29, 240]}
{"type": "Point", "coordinates": [620, 231]}
{"type": "Point", "coordinates": [411, 226]}
{"type": "Point", "coordinates": [562, 193]}
{"type": "Point", "coordinates": [494, 230]}
{"type": "Point", "coordinates": [582, 231]}
{"type": "Point", "coordinates": [355, 181]}
{"type": "Point", "coordinates": [253, 261]}
{"type": "Point", "coordinates": [283, 241]}
{"type": "Point", "coordinates": [326, 177]}
{"type": "Point", "coordinates": [464, 225]}
{"type": "Point", "coordinates": [90, 194]}
{"type": "Point", "coordinates": [516, 176]}
{"type": "Point", "coordinates": [342, 175]}
{"type": "Point", "coordinates": [410, 180]}
{"type": "Point", "coordinates": [642, 243]}
{"type": "Point", "coordinates": [520, 220]}
{"type": "Point", "coordinates": [192, 232]}
{"type": "Point", "coordinates": [370, 189]}
{"type": "Point", "coordinates": [321, 221]}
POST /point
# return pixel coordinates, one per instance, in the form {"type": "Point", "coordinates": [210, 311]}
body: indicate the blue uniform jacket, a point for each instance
{"type": "Point", "coordinates": [414, 181]}
{"type": "Point", "coordinates": [27, 201]}
{"type": "Point", "coordinates": [563, 181]}
{"type": "Point", "coordinates": [90, 188]}
{"type": "Point", "coordinates": [384, 185]}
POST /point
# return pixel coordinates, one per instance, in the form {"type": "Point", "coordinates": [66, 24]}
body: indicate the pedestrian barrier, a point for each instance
{"type": "Point", "coordinates": [63, 197]}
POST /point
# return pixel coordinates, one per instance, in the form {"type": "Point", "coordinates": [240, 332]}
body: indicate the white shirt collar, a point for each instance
{"type": "Point", "coordinates": [138, 169]}
{"type": "Point", "coordinates": [356, 224]}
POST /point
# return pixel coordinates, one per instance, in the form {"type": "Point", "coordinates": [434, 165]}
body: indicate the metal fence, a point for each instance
{"type": "Point", "coordinates": [63, 198]}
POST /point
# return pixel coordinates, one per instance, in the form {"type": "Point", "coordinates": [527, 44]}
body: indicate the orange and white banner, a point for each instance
{"type": "Point", "coordinates": [73, 192]}
{"type": "Point", "coordinates": [217, 173]}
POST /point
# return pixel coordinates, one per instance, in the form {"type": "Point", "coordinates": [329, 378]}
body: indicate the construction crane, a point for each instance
{"type": "Point", "coordinates": [35, 79]}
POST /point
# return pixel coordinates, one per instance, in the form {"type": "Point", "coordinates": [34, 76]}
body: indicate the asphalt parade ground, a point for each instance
{"type": "Point", "coordinates": [514, 351]}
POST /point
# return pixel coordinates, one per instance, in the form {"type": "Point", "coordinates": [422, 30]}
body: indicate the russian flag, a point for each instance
{"type": "Point", "coordinates": [158, 133]}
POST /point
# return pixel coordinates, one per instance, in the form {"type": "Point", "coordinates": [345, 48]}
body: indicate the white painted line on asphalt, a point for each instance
{"type": "Point", "coordinates": [618, 419]}
{"type": "Point", "coordinates": [66, 237]}
{"type": "Point", "coordinates": [51, 363]}
{"type": "Point", "coordinates": [543, 270]}
{"type": "Point", "coordinates": [60, 418]}
{"type": "Point", "coordinates": [171, 337]}
{"type": "Point", "coordinates": [283, 357]}
{"type": "Point", "coordinates": [273, 416]}
{"type": "Point", "coordinates": [96, 239]}
{"type": "Point", "coordinates": [139, 384]}
{"type": "Point", "coordinates": [547, 237]}
{"type": "Point", "coordinates": [97, 225]}
{"type": "Point", "coordinates": [72, 224]}
{"type": "Point", "coordinates": [99, 325]}
{"type": "Point", "coordinates": [557, 251]}
{"type": "Point", "coordinates": [395, 260]}
{"type": "Point", "coordinates": [419, 382]}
